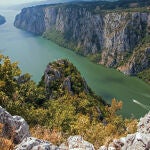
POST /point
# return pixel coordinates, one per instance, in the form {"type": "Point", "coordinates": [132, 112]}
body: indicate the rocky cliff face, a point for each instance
{"type": "Point", "coordinates": [31, 20]}
{"type": "Point", "coordinates": [113, 35]}
{"type": "Point", "coordinates": [139, 61]}
{"type": "Point", "coordinates": [2, 20]}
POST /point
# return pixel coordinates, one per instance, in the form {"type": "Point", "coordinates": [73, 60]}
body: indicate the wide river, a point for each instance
{"type": "Point", "coordinates": [33, 54]}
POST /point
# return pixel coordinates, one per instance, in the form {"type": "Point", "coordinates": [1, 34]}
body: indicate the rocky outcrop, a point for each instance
{"type": "Point", "coordinates": [2, 20]}
{"type": "Point", "coordinates": [122, 34]}
{"type": "Point", "coordinates": [139, 61]}
{"type": "Point", "coordinates": [114, 35]}
{"type": "Point", "coordinates": [31, 143]}
{"type": "Point", "coordinates": [62, 77]}
{"type": "Point", "coordinates": [76, 143]}
{"type": "Point", "coordinates": [138, 141]}
{"type": "Point", "coordinates": [73, 143]}
{"type": "Point", "coordinates": [15, 127]}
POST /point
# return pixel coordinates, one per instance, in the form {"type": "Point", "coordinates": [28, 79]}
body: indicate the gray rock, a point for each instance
{"type": "Point", "coordinates": [15, 127]}
{"type": "Point", "coordinates": [67, 84]}
{"type": "Point", "coordinates": [31, 143]}
{"type": "Point", "coordinates": [77, 143]}
{"type": "Point", "coordinates": [137, 141]}
{"type": "Point", "coordinates": [33, 23]}
{"type": "Point", "coordinates": [73, 143]}
{"type": "Point", "coordinates": [137, 62]}
{"type": "Point", "coordinates": [144, 124]}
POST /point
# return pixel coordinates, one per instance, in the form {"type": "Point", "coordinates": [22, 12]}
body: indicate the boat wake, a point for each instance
{"type": "Point", "coordinates": [142, 105]}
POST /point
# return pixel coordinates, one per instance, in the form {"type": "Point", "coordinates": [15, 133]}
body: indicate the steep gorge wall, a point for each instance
{"type": "Point", "coordinates": [113, 35]}
{"type": "Point", "coordinates": [2, 20]}
{"type": "Point", "coordinates": [138, 62]}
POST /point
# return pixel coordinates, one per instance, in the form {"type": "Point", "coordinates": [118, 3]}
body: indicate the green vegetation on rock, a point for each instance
{"type": "Point", "coordinates": [145, 75]}
{"type": "Point", "coordinates": [62, 39]}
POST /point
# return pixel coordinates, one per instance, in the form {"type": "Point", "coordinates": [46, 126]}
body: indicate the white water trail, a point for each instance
{"type": "Point", "coordinates": [142, 105]}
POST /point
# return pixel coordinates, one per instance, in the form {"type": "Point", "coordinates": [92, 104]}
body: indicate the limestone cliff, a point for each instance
{"type": "Point", "coordinates": [139, 61]}
{"type": "Point", "coordinates": [113, 35]}
{"type": "Point", "coordinates": [2, 20]}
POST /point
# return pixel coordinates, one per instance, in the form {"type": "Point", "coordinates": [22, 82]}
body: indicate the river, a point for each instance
{"type": "Point", "coordinates": [33, 54]}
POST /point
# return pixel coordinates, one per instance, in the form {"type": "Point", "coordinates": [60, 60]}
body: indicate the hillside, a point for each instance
{"type": "Point", "coordinates": [58, 106]}
{"type": "Point", "coordinates": [106, 32]}
{"type": "Point", "coordinates": [61, 77]}
{"type": "Point", "coordinates": [25, 141]}
{"type": "Point", "coordinates": [138, 61]}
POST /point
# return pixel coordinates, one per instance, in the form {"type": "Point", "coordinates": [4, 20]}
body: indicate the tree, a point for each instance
{"type": "Point", "coordinates": [8, 74]}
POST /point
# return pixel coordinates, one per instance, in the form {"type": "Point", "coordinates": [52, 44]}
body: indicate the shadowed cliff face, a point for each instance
{"type": "Point", "coordinates": [2, 20]}
{"type": "Point", "coordinates": [113, 35]}
{"type": "Point", "coordinates": [31, 20]}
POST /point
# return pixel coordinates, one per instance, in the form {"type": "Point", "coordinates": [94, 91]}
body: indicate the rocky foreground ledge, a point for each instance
{"type": "Point", "coordinates": [21, 136]}
{"type": "Point", "coordinates": [137, 141]}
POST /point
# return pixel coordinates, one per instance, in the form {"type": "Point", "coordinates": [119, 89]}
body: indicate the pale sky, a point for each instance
{"type": "Point", "coordinates": [12, 2]}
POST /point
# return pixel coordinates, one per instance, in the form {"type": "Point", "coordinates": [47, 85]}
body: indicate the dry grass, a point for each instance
{"type": "Point", "coordinates": [38, 132]}
{"type": "Point", "coordinates": [5, 144]}
{"type": "Point", "coordinates": [44, 133]}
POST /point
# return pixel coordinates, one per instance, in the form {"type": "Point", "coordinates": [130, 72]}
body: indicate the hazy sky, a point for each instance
{"type": "Point", "coordinates": [12, 2]}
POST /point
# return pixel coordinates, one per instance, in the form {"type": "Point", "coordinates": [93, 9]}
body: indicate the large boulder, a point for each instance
{"type": "Point", "coordinates": [15, 127]}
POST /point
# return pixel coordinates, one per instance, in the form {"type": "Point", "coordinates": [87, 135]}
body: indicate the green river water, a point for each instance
{"type": "Point", "coordinates": [33, 54]}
